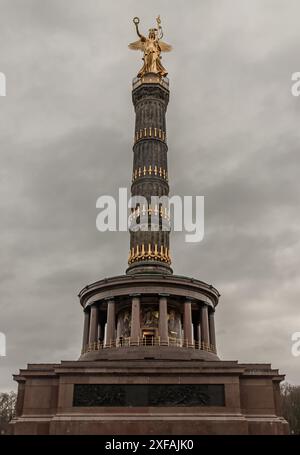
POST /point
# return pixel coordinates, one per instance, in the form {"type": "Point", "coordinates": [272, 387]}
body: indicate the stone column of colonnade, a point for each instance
{"type": "Point", "coordinates": [204, 325]}
{"type": "Point", "coordinates": [212, 331]}
{"type": "Point", "coordinates": [136, 323]}
{"type": "Point", "coordinates": [135, 319]}
{"type": "Point", "coordinates": [111, 322]}
{"type": "Point", "coordinates": [163, 319]}
{"type": "Point", "coordinates": [187, 323]}
{"type": "Point", "coordinates": [93, 331]}
{"type": "Point", "coordinates": [205, 329]}
{"type": "Point", "coordinates": [86, 329]}
{"type": "Point", "coordinates": [94, 328]}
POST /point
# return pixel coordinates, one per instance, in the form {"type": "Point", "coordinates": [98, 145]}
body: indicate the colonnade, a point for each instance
{"type": "Point", "coordinates": [197, 327]}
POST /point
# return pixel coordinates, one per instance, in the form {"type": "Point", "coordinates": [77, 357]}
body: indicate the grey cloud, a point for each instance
{"type": "Point", "coordinates": [66, 131]}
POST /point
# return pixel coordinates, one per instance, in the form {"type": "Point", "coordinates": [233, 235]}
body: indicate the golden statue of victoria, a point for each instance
{"type": "Point", "coordinates": [152, 48]}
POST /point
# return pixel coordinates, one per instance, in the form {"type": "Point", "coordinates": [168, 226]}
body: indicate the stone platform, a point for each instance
{"type": "Point", "coordinates": [150, 396]}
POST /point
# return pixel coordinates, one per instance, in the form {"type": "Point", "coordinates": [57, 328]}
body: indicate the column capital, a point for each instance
{"type": "Point", "coordinates": [135, 295]}
{"type": "Point", "coordinates": [204, 304]}
{"type": "Point", "coordinates": [189, 299]}
{"type": "Point", "coordinates": [163, 295]}
{"type": "Point", "coordinates": [208, 304]}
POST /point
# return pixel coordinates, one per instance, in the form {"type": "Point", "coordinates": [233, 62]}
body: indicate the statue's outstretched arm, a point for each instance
{"type": "Point", "coordinates": [137, 31]}
{"type": "Point", "coordinates": [160, 30]}
{"type": "Point", "coordinates": [136, 22]}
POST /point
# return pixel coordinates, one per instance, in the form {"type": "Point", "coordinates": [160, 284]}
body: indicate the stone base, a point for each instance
{"type": "Point", "coordinates": [143, 425]}
{"type": "Point", "coordinates": [149, 353]}
{"type": "Point", "coordinates": [251, 398]}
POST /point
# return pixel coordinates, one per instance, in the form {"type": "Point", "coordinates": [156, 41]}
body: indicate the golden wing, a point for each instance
{"type": "Point", "coordinates": [164, 47]}
{"type": "Point", "coordinates": [137, 45]}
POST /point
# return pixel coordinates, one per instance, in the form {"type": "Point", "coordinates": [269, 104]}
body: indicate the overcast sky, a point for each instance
{"type": "Point", "coordinates": [66, 128]}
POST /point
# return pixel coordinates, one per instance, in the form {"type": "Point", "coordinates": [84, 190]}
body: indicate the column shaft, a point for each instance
{"type": "Point", "coordinates": [204, 324]}
{"type": "Point", "coordinates": [187, 323]}
{"type": "Point", "coordinates": [86, 325]}
{"type": "Point", "coordinates": [93, 324]}
{"type": "Point", "coordinates": [135, 319]}
{"type": "Point", "coordinates": [199, 333]}
{"type": "Point", "coordinates": [163, 320]}
{"type": "Point", "coordinates": [212, 332]}
{"type": "Point", "coordinates": [111, 322]}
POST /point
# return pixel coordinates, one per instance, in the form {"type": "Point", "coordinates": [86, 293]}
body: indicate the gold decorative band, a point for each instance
{"type": "Point", "coordinates": [151, 170]}
{"type": "Point", "coordinates": [150, 133]}
{"type": "Point", "coordinates": [142, 253]}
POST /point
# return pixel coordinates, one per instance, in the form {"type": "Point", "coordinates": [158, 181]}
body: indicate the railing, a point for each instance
{"type": "Point", "coordinates": [151, 79]}
{"type": "Point", "coordinates": [149, 342]}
